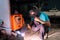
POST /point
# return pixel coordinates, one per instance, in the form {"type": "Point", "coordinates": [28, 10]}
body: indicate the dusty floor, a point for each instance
{"type": "Point", "coordinates": [54, 34]}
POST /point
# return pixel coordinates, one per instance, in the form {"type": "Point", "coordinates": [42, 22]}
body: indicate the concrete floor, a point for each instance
{"type": "Point", "coordinates": [54, 34]}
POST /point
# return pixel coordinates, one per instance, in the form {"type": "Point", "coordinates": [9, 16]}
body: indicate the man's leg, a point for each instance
{"type": "Point", "coordinates": [41, 29]}
{"type": "Point", "coordinates": [46, 32]}
{"type": "Point", "coordinates": [41, 32]}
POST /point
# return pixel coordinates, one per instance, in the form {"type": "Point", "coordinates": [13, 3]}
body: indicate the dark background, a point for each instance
{"type": "Point", "coordinates": [23, 7]}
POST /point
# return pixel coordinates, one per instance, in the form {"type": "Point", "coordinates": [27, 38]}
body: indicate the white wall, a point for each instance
{"type": "Point", "coordinates": [53, 13]}
{"type": "Point", "coordinates": [5, 12]}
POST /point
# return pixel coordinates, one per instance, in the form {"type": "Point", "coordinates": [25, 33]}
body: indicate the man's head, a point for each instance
{"type": "Point", "coordinates": [33, 13]}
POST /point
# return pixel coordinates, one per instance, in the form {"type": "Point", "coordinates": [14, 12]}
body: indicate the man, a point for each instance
{"type": "Point", "coordinates": [42, 19]}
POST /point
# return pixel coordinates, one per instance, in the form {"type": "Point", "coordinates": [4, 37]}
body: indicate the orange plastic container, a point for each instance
{"type": "Point", "coordinates": [17, 21]}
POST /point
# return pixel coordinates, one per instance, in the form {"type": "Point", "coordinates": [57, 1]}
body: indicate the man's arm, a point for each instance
{"type": "Point", "coordinates": [42, 22]}
{"type": "Point", "coordinates": [29, 25]}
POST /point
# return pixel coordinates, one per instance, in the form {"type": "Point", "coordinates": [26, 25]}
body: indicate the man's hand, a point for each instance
{"type": "Point", "coordinates": [36, 19]}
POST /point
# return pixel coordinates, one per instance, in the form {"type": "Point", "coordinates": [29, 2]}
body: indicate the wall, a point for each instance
{"type": "Point", "coordinates": [5, 12]}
